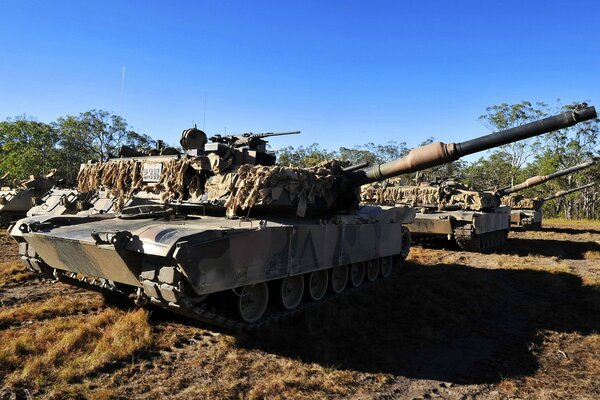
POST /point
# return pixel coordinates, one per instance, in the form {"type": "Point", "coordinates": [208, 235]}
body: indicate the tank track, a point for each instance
{"type": "Point", "coordinates": [181, 303]}
{"type": "Point", "coordinates": [469, 241]}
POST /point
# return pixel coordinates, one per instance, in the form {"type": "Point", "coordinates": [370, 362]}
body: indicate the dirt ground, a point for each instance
{"type": "Point", "coordinates": [522, 321]}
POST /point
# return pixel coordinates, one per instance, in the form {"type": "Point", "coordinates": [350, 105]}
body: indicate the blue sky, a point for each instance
{"type": "Point", "coordinates": [344, 73]}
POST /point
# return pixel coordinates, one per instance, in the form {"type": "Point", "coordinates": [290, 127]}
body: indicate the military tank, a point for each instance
{"type": "Point", "coordinates": [68, 200]}
{"type": "Point", "coordinates": [234, 230]}
{"type": "Point", "coordinates": [528, 215]}
{"type": "Point", "coordinates": [16, 198]}
{"type": "Point", "coordinates": [473, 219]}
{"type": "Point", "coordinates": [526, 212]}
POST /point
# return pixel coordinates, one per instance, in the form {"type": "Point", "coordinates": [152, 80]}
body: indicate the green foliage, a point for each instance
{"type": "Point", "coordinates": [27, 147]}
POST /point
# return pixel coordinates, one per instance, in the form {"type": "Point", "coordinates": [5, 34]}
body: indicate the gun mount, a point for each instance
{"type": "Point", "coordinates": [254, 141]}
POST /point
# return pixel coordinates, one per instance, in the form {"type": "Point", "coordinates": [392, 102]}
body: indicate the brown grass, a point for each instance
{"type": "Point", "coordinates": [569, 369]}
{"type": "Point", "coordinates": [56, 306]}
{"type": "Point", "coordinates": [47, 356]}
{"type": "Point", "coordinates": [12, 272]}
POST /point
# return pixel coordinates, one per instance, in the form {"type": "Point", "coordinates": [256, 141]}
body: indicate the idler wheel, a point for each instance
{"type": "Point", "coordinates": [317, 284]}
{"type": "Point", "coordinates": [386, 266]}
{"type": "Point", "coordinates": [252, 303]}
{"type": "Point", "coordinates": [405, 244]}
{"type": "Point", "coordinates": [291, 290]}
{"type": "Point", "coordinates": [339, 278]}
{"type": "Point", "coordinates": [372, 269]}
{"type": "Point", "coordinates": [357, 274]}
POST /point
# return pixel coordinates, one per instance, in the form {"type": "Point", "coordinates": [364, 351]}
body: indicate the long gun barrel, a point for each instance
{"type": "Point", "coordinates": [439, 153]}
{"type": "Point", "coordinates": [539, 179]}
{"type": "Point", "coordinates": [566, 192]}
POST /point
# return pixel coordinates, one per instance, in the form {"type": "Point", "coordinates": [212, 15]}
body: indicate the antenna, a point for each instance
{"type": "Point", "coordinates": [204, 119]}
{"type": "Point", "coordinates": [122, 87]}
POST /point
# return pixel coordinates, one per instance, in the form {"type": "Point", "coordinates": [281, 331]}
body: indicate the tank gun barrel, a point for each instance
{"type": "Point", "coordinates": [566, 192]}
{"type": "Point", "coordinates": [539, 179]}
{"type": "Point", "coordinates": [439, 153]}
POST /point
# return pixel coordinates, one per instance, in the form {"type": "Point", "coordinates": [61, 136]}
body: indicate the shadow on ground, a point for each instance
{"type": "Point", "coordinates": [565, 249]}
{"type": "Point", "coordinates": [446, 322]}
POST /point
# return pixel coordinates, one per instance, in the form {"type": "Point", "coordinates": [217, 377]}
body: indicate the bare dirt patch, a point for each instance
{"type": "Point", "coordinates": [519, 322]}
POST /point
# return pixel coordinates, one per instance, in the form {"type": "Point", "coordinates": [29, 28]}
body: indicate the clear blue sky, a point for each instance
{"type": "Point", "coordinates": [344, 73]}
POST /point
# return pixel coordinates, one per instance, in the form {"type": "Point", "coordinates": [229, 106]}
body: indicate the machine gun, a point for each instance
{"type": "Point", "coordinates": [566, 192]}
{"type": "Point", "coordinates": [252, 140]}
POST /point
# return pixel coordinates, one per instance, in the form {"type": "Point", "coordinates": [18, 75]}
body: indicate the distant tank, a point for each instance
{"type": "Point", "coordinates": [16, 198]}
{"type": "Point", "coordinates": [65, 200]}
{"type": "Point", "coordinates": [526, 212]}
{"type": "Point", "coordinates": [234, 230]}
{"type": "Point", "coordinates": [529, 215]}
{"type": "Point", "coordinates": [473, 219]}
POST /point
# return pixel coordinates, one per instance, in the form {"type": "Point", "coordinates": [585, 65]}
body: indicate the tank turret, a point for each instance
{"type": "Point", "coordinates": [17, 199]}
{"type": "Point", "coordinates": [566, 192]}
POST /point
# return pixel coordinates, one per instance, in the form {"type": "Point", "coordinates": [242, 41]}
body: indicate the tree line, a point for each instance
{"type": "Point", "coordinates": [30, 147]}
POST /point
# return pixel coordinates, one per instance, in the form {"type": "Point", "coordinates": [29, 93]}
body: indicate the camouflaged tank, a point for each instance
{"type": "Point", "coordinates": [526, 212]}
{"type": "Point", "coordinates": [475, 220]}
{"type": "Point", "coordinates": [235, 236]}
{"type": "Point", "coordinates": [16, 198]}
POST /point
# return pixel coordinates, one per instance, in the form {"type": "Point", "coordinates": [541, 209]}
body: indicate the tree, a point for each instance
{"type": "Point", "coordinates": [504, 116]}
{"type": "Point", "coordinates": [27, 147]}
{"type": "Point", "coordinates": [94, 135]}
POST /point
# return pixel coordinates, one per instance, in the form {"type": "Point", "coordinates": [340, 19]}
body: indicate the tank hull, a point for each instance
{"type": "Point", "coordinates": [526, 219]}
{"type": "Point", "coordinates": [471, 230]}
{"type": "Point", "coordinates": [14, 204]}
{"type": "Point", "coordinates": [172, 261]}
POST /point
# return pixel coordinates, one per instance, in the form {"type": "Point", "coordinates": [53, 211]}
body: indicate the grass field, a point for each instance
{"type": "Point", "coordinates": [522, 321]}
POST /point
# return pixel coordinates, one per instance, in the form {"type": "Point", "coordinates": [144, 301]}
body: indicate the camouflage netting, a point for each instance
{"type": "Point", "coordinates": [428, 196]}
{"type": "Point", "coordinates": [194, 180]}
{"type": "Point", "coordinates": [264, 185]}
{"type": "Point", "coordinates": [518, 201]}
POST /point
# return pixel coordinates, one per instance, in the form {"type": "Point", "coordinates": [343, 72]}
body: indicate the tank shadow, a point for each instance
{"type": "Point", "coordinates": [565, 249]}
{"type": "Point", "coordinates": [445, 322]}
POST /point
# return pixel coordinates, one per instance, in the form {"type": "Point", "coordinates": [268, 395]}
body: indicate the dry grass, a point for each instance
{"type": "Point", "coordinates": [12, 272]}
{"type": "Point", "coordinates": [47, 356]}
{"type": "Point", "coordinates": [573, 223]}
{"type": "Point", "coordinates": [447, 311]}
{"type": "Point", "coordinates": [569, 369]}
{"type": "Point", "coordinates": [53, 307]}
{"type": "Point", "coordinates": [592, 255]}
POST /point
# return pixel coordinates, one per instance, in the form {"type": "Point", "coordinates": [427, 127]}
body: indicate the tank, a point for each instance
{"type": "Point", "coordinates": [526, 212]}
{"type": "Point", "coordinates": [67, 200]}
{"type": "Point", "coordinates": [16, 198]}
{"type": "Point", "coordinates": [237, 240]}
{"type": "Point", "coordinates": [529, 214]}
{"type": "Point", "coordinates": [473, 219]}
